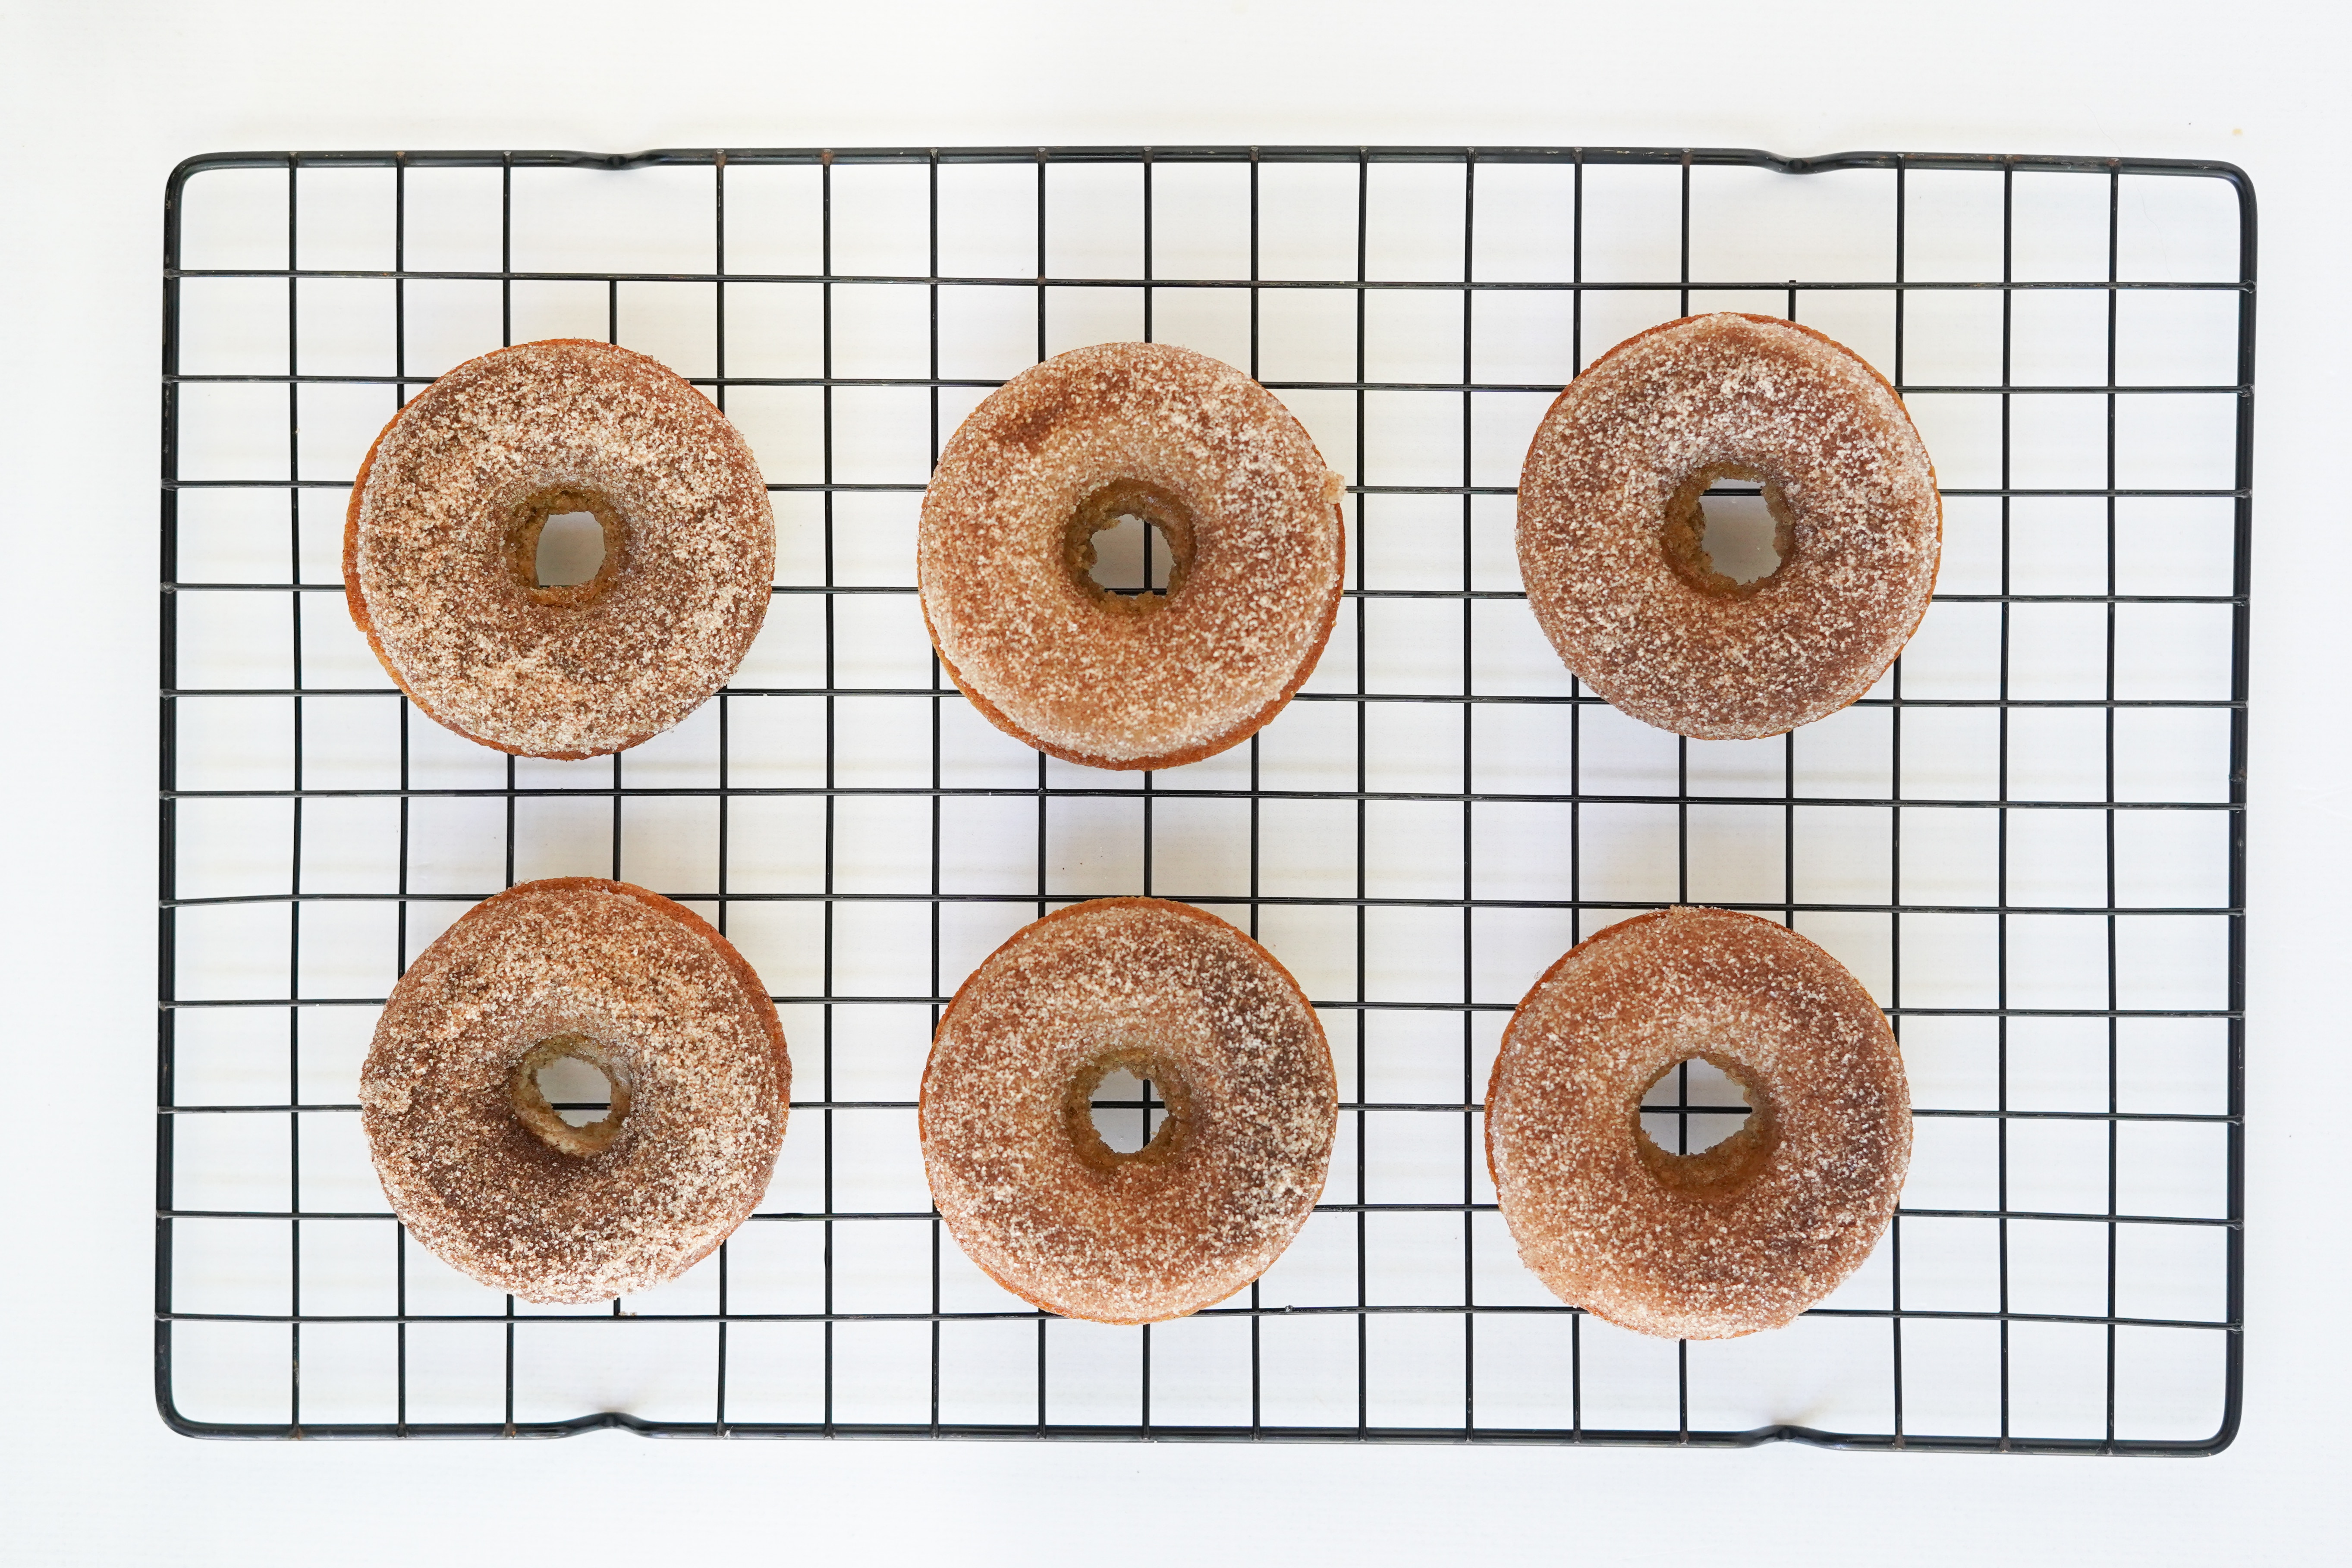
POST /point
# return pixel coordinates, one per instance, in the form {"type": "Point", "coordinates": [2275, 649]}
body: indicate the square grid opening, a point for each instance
{"type": "Point", "coordinates": [2027, 841]}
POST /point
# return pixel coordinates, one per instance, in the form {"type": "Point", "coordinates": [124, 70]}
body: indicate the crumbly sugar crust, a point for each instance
{"type": "Point", "coordinates": [1749, 392]}
{"type": "Point", "coordinates": [1254, 1103]}
{"type": "Point", "coordinates": [432, 516]}
{"type": "Point", "coordinates": [1107, 685]}
{"type": "Point", "coordinates": [1714, 1244]}
{"type": "Point", "coordinates": [679, 1019]}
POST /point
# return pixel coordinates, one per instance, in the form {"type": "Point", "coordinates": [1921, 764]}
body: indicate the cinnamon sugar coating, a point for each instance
{"type": "Point", "coordinates": [1615, 572]}
{"type": "Point", "coordinates": [1025, 1185]}
{"type": "Point", "coordinates": [1741, 1237]}
{"type": "Point", "coordinates": [1252, 516]}
{"type": "Point", "coordinates": [438, 549]}
{"type": "Point", "coordinates": [617, 976]}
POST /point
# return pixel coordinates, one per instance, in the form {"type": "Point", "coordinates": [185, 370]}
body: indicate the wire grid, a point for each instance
{"type": "Point", "coordinates": [288, 602]}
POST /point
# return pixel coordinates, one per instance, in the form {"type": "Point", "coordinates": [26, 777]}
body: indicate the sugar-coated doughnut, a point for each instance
{"type": "Point", "coordinates": [1611, 544]}
{"type": "Point", "coordinates": [1065, 449]}
{"type": "Point", "coordinates": [490, 1178]}
{"type": "Point", "coordinates": [442, 535]}
{"type": "Point", "coordinates": [1027, 1186]}
{"type": "Point", "coordinates": [1737, 1237]}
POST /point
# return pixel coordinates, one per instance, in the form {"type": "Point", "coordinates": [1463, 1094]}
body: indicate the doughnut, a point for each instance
{"type": "Point", "coordinates": [1612, 540]}
{"type": "Point", "coordinates": [1026, 1185]}
{"type": "Point", "coordinates": [1743, 1235]}
{"type": "Point", "coordinates": [1250, 515]}
{"type": "Point", "coordinates": [441, 539]}
{"type": "Point", "coordinates": [487, 1175]}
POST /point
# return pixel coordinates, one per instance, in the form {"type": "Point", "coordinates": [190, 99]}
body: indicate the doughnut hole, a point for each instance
{"type": "Point", "coordinates": [1732, 543]}
{"type": "Point", "coordinates": [571, 547]}
{"type": "Point", "coordinates": [564, 546]}
{"type": "Point", "coordinates": [1108, 1104]}
{"type": "Point", "coordinates": [1127, 1111]}
{"type": "Point", "coordinates": [1150, 547]}
{"type": "Point", "coordinates": [567, 1069]}
{"type": "Point", "coordinates": [1718, 1145]}
{"type": "Point", "coordinates": [1131, 558]}
{"type": "Point", "coordinates": [576, 1088]}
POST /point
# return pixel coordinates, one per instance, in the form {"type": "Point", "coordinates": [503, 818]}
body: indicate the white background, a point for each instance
{"type": "Point", "coordinates": [98, 103]}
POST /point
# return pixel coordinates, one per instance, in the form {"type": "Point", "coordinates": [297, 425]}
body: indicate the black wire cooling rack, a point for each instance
{"type": "Point", "coordinates": [1482, 1347]}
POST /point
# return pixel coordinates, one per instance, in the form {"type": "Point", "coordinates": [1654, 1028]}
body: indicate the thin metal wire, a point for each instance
{"type": "Point", "coordinates": [2001, 840]}
{"type": "Point", "coordinates": [1354, 1203]}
